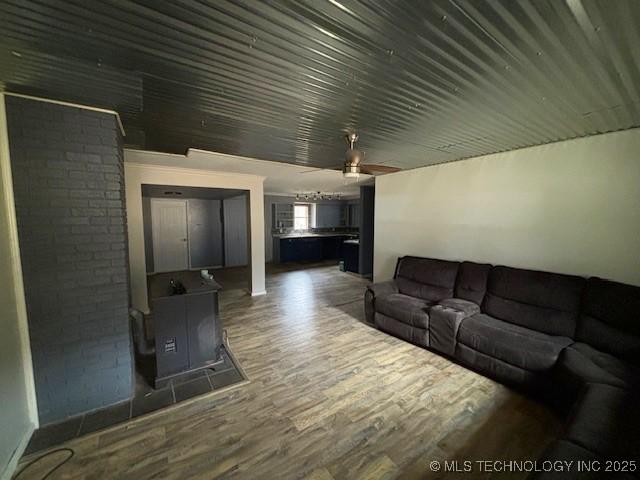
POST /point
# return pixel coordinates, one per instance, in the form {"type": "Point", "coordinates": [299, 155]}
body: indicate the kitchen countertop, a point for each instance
{"type": "Point", "coordinates": [312, 235]}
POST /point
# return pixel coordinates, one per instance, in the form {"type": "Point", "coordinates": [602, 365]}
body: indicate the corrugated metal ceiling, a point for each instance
{"type": "Point", "coordinates": [422, 82]}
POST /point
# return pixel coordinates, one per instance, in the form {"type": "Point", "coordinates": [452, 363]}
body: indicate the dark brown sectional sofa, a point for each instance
{"type": "Point", "coordinates": [567, 339]}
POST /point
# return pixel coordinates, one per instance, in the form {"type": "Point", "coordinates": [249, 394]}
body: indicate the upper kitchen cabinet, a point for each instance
{"type": "Point", "coordinates": [328, 215]}
{"type": "Point", "coordinates": [353, 215]}
{"type": "Point", "coordinates": [282, 215]}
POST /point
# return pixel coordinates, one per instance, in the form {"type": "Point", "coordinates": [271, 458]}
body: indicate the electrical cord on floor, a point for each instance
{"type": "Point", "coordinates": [33, 462]}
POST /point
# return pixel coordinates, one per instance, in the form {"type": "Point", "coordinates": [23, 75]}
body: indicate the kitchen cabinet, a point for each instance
{"type": "Point", "coordinates": [327, 215]}
{"type": "Point", "coordinates": [305, 249]}
{"type": "Point", "coordinates": [344, 215]}
{"type": "Point", "coordinates": [332, 248]}
{"type": "Point", "coordinates": [282, 215]}
{"type": "Point", "coordinates": [351, 256]}
{"type": "Point", "coordinates": [308, 249]}
{"type": "Point", "coordinates": [353, 217]}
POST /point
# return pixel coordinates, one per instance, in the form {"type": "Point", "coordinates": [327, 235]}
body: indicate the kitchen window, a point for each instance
{"type": "Point", "coordinates": [301, 216]}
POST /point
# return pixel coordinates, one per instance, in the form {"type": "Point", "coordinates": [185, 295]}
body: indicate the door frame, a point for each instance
{"type": "Point", "coordinates": [145, 168]}
{"type": "Point", "coordinates": [154, 238]}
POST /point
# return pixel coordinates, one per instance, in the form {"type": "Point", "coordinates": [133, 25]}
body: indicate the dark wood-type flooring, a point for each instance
{"type": "Point", "coordinates": [328, 397]}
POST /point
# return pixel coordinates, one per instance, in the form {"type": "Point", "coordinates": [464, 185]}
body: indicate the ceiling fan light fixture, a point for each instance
{"type": "Point", "coordinates": [351, 171]}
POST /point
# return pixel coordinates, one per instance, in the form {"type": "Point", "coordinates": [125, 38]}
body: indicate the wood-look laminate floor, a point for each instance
{"type": "Point", "coordinates": [329, 398]}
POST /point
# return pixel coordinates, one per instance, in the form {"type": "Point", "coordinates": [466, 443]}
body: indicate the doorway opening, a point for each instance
{"type": "Point", "coordinates": [194, 228]}
{"type": "Point", "coordinates": [191, 234]}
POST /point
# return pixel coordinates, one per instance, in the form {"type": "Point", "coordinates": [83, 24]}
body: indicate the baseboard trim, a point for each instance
{"type": "Point", "coordinates": [257, 294]}
{"type": "Point", "coordinates": [10, 468]}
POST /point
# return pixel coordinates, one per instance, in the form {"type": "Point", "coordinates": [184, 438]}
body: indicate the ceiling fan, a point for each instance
{"type": "Point", "coordinates": [353, 162]}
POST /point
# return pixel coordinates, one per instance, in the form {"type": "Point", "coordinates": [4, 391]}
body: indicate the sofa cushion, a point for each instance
{"type": "Point", "coordinates": [426, 278]}
{"type": "Point", "coordinates": [416, 335]}
{"type": "Point", "coordinates": [541, 301]}
{"type": "Point", "coordinates": [410, 310]}
{"type": "Point", "coordinates": [500, 370]}
{"type": "Point", "coordinates": [581, 363]}
{"type": "Point", "coordinates": [471, 282]}
{"type": "Point", "coordinates": [519, 346]}
{"type": "Point", "coordinates": [610, 318]}
{"type": "Point", "coordinates": [606, 420]}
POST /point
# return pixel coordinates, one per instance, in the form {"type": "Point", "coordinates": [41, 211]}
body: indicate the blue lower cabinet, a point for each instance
{"type": "Point", "coordinates": [350, 256]}
{"type": "Point", "coordinates": [310, 249]}
{"type": "Point", "coordinates": [300, 249]}
{"type": "Point", "coordinates": [288, 250]}
{"type": "Point", "coordinates": [332, 248]}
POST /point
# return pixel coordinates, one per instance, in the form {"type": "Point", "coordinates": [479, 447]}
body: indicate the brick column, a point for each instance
{"type": "Point", "coordinates": [68, 176]}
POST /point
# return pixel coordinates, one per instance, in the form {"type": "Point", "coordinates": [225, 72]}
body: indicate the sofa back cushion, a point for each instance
{"type": "Point", "coordinates": [542, 301]}
{"type": "Point", "coordinates": [471, 283]}
{"type": "Point", "coordinates": [610, 318]}
{"type": "Point", "coordinates": [426, 278]}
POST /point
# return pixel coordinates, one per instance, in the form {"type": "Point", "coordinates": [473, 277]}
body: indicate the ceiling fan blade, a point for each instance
{"type": "Point", "coordinates": [337, 166]}
{"type": "Point", "coordinates": [372, 169]}
{"type": "Point", "coordinates": [332, 167]}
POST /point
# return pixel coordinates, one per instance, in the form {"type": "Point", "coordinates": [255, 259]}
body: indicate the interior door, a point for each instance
{"type": "Point", "coordinates": [205, 233]}
{"type": "Point", "coordinates": [169, 224]}
{"type": "Point", "coordinates": [235, 231]}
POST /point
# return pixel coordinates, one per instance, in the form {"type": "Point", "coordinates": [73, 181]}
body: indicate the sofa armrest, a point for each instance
{"type": "Point", "coordinates": [383, 288]}
{"type": "Point", "coordinates": [444, 321]}
{"type": "Point", "coordinates": [376, 290]}
{"type": "Point", "coordinates": [465, 306]}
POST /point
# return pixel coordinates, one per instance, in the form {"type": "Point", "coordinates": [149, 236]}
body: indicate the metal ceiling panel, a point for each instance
{"type": "Point", "coordinates": [422, 82]}
{"type": "Point", "coordinates": [39, 74]}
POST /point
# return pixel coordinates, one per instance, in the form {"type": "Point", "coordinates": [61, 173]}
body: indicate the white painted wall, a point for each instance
{"type": "Point", "coordinates": [18, 412]}
{"type": "Point", "coordinates": [140, 169]}
{"type": "Point", "coordinates": [568, 207]}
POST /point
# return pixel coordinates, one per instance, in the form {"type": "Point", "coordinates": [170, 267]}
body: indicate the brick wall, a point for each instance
{"type": "Point", "coordinates": [68, 176]}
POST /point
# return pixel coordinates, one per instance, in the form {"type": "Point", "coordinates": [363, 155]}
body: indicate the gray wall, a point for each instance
{"type": "Point", "coordinates": [367, 219]}
{"type": "Point", "coordinates": [68, 175]}
{"type": "Point", "coordinates": [148, 233]}
{"type": "Point", "coordinates": [236, 229]}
